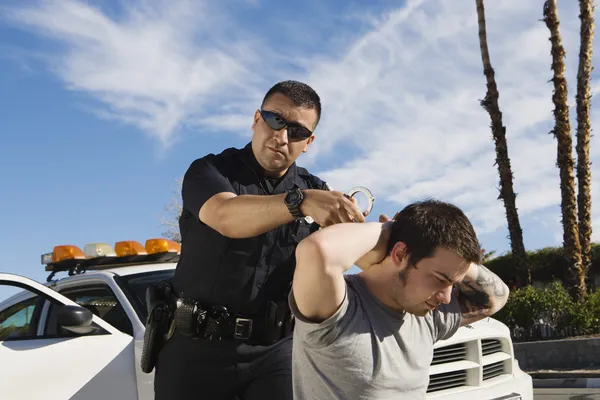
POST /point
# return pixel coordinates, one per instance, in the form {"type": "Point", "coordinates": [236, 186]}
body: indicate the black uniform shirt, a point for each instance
{"type": "Point", "coordinates": [240, 274]}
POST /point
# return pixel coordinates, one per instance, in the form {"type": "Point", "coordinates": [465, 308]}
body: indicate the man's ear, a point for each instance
{"type": "Point", "coordinates": [308, 142]}
{"type": "Point", "coordinates": [399, 254]}
{"type": "Point", "coordinates": [256, 118]}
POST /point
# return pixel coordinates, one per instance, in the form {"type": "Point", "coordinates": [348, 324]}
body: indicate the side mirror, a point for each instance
{"type": "Point", "coordinates": [76, 319]}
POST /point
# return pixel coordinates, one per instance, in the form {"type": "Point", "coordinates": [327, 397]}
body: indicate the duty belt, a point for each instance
{"type": "Point", "coordinates": [216, 323]}
{"type": "Point", "coordinates": [168, 313]}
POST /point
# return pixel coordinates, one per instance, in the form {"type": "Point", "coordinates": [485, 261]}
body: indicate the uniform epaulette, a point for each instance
{"type": "Point", "coordinates": [313, 180]}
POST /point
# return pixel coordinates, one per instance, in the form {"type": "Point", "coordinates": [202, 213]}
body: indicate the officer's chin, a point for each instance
{"type": "Point", "coordinates": [274, 168]}
{"type": "Point", "coordinates": [278, 161]}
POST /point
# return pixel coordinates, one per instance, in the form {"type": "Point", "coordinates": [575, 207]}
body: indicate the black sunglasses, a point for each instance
{"type": "Point", "coordinates": [277, 122]}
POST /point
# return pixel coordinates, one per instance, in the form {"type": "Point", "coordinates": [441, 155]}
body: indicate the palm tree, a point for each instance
{"type": "Point", "coordinates": [507, 194]}
{"type": "Point", "coordinates": [584, 178]}
{"type": "Point", "coordinates": [565, 163]}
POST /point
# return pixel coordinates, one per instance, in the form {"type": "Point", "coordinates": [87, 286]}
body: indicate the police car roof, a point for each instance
{"type": "Point", "coordinates": [124, 258]}
{"type": "Point", "coordinates": [140, 268]}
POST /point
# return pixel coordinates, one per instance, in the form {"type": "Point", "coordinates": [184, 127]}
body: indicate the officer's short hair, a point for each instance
{"type": "Point", "coordinates": [426, 225]}
{"type": "Point", "coordinates": [300, 93]}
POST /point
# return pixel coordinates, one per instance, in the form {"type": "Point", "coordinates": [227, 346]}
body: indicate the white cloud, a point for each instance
{"type": "Point", "coordinates": [408, 92]}
{"type": "Point", "coordinates": [404, 95]}
{"type": "Point", "coordinates": [156, 67]}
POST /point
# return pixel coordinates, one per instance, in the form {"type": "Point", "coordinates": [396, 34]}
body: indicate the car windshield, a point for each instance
{"type": "Point", "coordinates": [135, 286]}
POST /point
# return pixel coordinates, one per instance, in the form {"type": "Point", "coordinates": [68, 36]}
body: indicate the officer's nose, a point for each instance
{"type": "Point", "coordinates": [281, 136]}
{"type": "Point", "coordinates": [445, 295]}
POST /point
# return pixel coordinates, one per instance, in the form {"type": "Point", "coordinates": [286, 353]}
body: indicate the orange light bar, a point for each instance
{"type": "Point", "coordinates": [67, 252]}
{"type": "Point", "coordinates": [154, 246]}
{"type": "Point", "coordinates": [129, 248]}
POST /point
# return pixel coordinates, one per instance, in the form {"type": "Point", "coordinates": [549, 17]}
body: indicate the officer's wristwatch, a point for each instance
{"type": "Point", "coordinates": [293, 199]}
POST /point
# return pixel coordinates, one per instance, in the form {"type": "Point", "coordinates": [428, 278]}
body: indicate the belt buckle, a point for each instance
{"type": "Point", "coordinates": [243, 328]}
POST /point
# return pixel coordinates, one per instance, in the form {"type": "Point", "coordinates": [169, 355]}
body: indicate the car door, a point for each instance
{"type": "Point", "coordinates": [65, 364]}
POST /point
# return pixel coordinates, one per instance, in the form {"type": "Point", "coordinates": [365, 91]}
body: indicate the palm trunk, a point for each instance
{"type": "Point", "coordinates": [562, 132]}
{"type": "Point", "coordinates": [584, 173]}
{"type": "Point", "coordinates": [507, 194]}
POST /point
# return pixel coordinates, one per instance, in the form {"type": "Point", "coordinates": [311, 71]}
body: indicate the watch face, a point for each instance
{"type": "Point", "coordinates": [293, 197]}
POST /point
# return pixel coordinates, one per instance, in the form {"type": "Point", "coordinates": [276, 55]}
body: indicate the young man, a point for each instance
{"type": "Point", "coordinates": [243, 216]}
{"type": "Point", "coordinates": [371, 335]}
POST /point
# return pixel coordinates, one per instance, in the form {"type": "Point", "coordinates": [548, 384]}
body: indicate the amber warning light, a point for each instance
{"type": "Point", "coordinates": [155, 246]}
{"type": "Point", "coordinates": [130, 248]}
{"type": "Point", "coordinates": [101, 255]}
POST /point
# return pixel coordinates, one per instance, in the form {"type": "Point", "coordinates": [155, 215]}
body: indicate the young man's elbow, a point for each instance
{"type": "Point", "coordinates": [504, 292]}
{"type": "Point", "coordinates": [310, 251]}
{"type": "Point", "coordinates": [500, 301]}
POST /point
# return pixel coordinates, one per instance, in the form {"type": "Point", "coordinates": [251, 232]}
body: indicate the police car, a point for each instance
{"type": "Point", "coordinates": [81, 336]}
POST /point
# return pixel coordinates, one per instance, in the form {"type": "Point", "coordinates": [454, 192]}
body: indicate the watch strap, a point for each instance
{"type": "Point", "coordinates": [295, 211]}
{"type": "Point", "coordinates": [294, 206]}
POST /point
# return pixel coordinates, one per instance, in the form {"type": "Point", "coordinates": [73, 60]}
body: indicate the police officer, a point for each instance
{"type": "Point", "coordinates": [244, 212]}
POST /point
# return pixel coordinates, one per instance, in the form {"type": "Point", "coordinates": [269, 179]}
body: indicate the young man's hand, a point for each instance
{"type": "Point", "coordinates": [385, 218]}
{"type": "Point", "coordinates": [379, 252]}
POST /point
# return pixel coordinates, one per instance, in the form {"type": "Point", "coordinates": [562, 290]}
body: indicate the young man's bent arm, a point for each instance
{"type": "Point", "coordinates": [481, 294]}
{"type": "Point", "coordinates": [322, 258]}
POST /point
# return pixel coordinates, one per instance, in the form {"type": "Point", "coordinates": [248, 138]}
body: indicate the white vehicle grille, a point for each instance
{"type": "Point", "coordinates": [470, 363]}
{"type": "Point", "coordinates": [456, 352]}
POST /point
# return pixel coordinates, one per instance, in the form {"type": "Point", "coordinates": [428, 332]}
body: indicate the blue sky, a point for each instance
{"type": "Point", "coordinates": [104, 106]}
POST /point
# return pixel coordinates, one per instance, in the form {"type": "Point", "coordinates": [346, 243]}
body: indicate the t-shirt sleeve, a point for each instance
{"type": "Point", "coordinates": [446, 320]}
{"type": "Point", "coordinates": [322, 334]}
{"type": "Point", "coordinates": [201, 181]}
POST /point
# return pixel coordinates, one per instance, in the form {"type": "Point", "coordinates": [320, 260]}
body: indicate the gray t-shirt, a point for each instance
{"type": "Point", "coordinates": [366, 350]}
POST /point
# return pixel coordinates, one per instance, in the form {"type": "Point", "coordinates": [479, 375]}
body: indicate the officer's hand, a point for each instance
{"type": "Point", "coordinates": [330, 207]}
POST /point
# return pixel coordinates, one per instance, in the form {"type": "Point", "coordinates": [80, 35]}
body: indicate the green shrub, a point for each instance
{"type": "Point", "coordinates": [587, 315]}
{"type": "Point", "coordinates": [528, 307]}
{"type": "Point", "coordinates": [547, 264]}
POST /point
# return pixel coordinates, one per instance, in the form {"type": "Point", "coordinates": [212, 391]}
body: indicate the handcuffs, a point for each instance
{"type": "Point", "coordinates": [350, 194]}
{"type": "Point", "coordinates": [367, 192]}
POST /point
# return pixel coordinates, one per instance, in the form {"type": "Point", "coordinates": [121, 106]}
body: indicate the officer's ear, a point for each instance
{"type": "Point", "coordinates": [256, 118]}
{"type": "Point", "coordinates": [308, 142]}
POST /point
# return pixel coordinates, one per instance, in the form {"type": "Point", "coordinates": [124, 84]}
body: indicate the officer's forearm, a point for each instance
{"type": "Point", "coordinates": [248, 216]}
